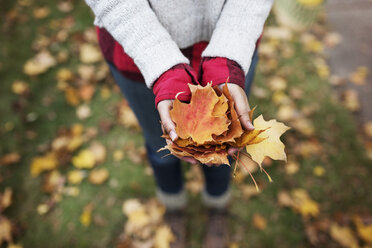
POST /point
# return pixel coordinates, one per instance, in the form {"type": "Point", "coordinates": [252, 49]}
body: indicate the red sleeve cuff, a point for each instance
{"type": "Point", "coordinates": [174, 81]}
{"type": "Point", "coordinates": [218, 70]}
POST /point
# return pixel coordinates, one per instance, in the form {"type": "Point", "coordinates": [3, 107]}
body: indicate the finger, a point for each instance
{"type": "Point", "coordinates": [242, 108]}
{"type": "Point", "coordinates": [166, 121]}
{"type": "Point", "coordinates": [189, 160]}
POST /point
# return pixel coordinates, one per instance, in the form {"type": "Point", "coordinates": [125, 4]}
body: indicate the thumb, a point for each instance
{"type": "Point", "coordinates": [169, 127]}
{"type": "Point", "coordinates": [241, 106]}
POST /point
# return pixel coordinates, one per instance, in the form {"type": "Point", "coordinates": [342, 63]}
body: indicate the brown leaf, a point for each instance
{"type": "Point", "coordinates": [6, 199]}
{"type": "Point", "coordinates": [86, 92]}
{"type": "Point", "coordinates": [5, 230]}
{"type": "Point", "coordinates": [259, 222]}
{"type": "Point", "coordinates": [10, 158]}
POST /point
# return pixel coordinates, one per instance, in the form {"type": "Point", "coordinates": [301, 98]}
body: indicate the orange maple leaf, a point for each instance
{"type": "Point", "coordinates": [196, 119]}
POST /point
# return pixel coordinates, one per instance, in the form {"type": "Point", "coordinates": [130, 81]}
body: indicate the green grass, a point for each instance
{"type": "Point", "coordinates": [345, 187]}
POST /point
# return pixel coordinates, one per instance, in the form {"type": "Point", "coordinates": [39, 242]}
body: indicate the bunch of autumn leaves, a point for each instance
{"type": "Point", "coordinates": [209, 125]}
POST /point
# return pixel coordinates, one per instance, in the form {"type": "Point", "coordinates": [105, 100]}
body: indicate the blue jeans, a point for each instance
{"type": "Point", "coordinates": [167, 170]}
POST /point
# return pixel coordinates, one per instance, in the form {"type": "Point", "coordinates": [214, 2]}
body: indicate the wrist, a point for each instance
{"type": "Point", "coordinates": [218, 70]}
{"type": "Point", "coordinates": [174, 82]}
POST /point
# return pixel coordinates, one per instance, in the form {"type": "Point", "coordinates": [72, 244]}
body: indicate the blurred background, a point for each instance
{"type": "Point", "coordinates": [73, 164]}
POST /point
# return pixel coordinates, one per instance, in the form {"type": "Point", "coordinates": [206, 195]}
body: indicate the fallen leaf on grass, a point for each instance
{"type": "Point", "coordinates": [259, 222]}
{"type": "Point", "coordinates": [126, 116]}
{"type": "Point", "coordinates": [118, 155]}
{"type": "Point", "coordinates": [71, 96]}
{"type": "Point", "coordinates": [277, 83]}
{"type": "Point", "coordinates": [10, 158]}
{"type": "Point", "coordinates": [54, 181]}
{"type": "Point", "coordinates": [5, 230]}
{"type": "Point", "coordinates": [86, 92]}
{"type": "Point", "coordinates": [75, 176]}
{"type": "Point", "coordinates": [83, 112]}
{"type": "Point", "coordinates": [84, 160]}
{"type": "Point", "coordinates": [332, 39]}
{"type": "Point", "coordinates": [304, 204]}
{"type": "Point", "coordinates": [98, 150]}
{"type": "Point", "coordinates": [98, 176]}
{"type": "Point", "coordinates": [39, 64]}
{"type": "Point", "coordinates": [364, 230]}
{"type": "Point", "coordinates": [86, 216]}
{"type": "Point", "coordinates": [90, 53]}
{"type": "Point", "coordinates": [20, 87]}
{"type": "Point", "coordinates": [163, 237]}
{"type": "Point", "coordinates": [299, 201]}
{"type": "Point", "coordinates": [343, 235]}
{"type": "Point", "coordinates": [65, 6]}
{"type": "Point", "coordinates": [5, 199]}
{"type": "Point", "coordinates": [43, 163]}
{"type": "Point", "coordinates": [291, 168]}
{"type": "Point", "coordinates": [319, 171]}
{"type": "Point", "coordinates": [359, 76]}
{"type": "Point", "coordinates": [41, 12]}
{"type": "Point", "coordinates": [351, 100]}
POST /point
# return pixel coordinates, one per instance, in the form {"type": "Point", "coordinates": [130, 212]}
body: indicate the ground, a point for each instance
{"type": "Point", "coordinates": [325, 185]}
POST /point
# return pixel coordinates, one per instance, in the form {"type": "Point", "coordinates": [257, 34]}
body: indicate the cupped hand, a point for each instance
{"type": "Point", "coordinates": [242, 108]}
{"type": "Point", "coordinates": [169, 127]}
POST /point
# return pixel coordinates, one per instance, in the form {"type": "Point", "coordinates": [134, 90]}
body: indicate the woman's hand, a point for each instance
{"type": "Point", "coordinates": [242, 108]}
{"type": "Point", "coordinates": [169, 127]}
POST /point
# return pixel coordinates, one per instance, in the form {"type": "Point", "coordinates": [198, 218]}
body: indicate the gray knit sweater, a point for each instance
{"type": "Point", "coordinates": [153, 31]}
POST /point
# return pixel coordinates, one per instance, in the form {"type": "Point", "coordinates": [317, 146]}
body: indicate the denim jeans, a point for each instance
{"type": "Point", "coordinates": [167, 169]}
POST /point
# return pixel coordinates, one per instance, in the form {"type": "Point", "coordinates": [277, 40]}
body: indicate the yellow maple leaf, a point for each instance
{"type": "Point", "coordinates": [84, 160]}
{"type": "Point", "coordinates": [343, 235]}
{"type": "Point", "coordinates": [75, 176]}
{"type": "Point", "coordinates": [43, 163]}
{"type": "Point", "coordinates": [163, 237]}
{"type": "Point", "coordinates": [364, 230]}
{"type": "Point", "coordinates": [271, 146]}
{"type": "Point", "coordinates": [303, 204]}
{"type": "Point", "coordinates": [86, 216]}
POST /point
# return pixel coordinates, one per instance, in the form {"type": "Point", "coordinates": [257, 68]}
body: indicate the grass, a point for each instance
{"type": "Point", "coordinates": [345, 188]}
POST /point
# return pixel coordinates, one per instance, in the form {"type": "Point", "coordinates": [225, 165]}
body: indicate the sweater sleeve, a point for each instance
{"type": "Point", "coordinates": [135, 26]}
{"type": "Point", "coordinates": [238, 29]}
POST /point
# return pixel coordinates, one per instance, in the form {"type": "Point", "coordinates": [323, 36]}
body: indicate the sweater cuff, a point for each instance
{"type": "Point", "coordinates": [174, 82]}
{"type": "Point", "coordinates": [218, 70]}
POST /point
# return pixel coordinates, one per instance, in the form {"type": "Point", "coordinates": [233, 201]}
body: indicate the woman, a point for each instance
{"type": "Point", "coordinates": [168, 44]}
